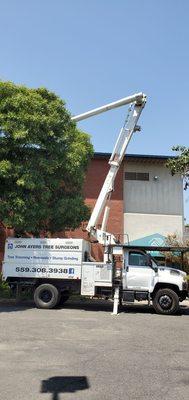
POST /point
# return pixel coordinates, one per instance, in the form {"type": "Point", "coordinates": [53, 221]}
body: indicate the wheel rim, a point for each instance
{"type": "Point", "coordinates": [165, 302]}
{"type": "Point", "coordinates": [45, 296]}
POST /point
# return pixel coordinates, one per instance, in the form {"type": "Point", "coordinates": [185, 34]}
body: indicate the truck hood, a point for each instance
{"type": "Point", "coordinates": [172, 271]}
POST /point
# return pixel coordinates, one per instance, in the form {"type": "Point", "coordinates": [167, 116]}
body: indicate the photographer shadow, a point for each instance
{"type": "Point", "coordinates": [64, 384]}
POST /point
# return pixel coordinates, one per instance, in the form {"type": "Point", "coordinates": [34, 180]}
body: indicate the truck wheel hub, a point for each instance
{"type": "Point", "coordinates": [165, 302]}
{"type": "Point", "coordinates": [45, 296]}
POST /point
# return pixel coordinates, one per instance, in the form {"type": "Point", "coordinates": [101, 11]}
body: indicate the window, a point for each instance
{"type": "Point", "coordinates": [136, 176]}
{"type": "Point", "coordinates": [138, 259]}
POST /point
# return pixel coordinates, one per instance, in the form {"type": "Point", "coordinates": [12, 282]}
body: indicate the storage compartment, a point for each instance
{"type": "Point", "coordinates": [95, 274]}
{"type": "Point", "coordinates": [129, 296]}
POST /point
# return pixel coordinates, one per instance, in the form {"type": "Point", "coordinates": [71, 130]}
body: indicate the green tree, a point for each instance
{"type": "Point", "coordinates": [180, 164]}
{"type": "Point", "coordinates": [43, 159]}
{"type": "Point", "coordinates": [176, 258]}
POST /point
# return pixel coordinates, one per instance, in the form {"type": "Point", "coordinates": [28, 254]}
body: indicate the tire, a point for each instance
{"type": "Point", "coordinates": [166, 302]}
{"type": "Point", "coordinates": [46, 296]}
{"type": "Point", "coordinates": [65, 295]}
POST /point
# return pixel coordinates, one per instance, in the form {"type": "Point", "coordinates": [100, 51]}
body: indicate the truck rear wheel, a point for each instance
{"type": "Point", "coordinates": [46, 296]}
{"type": "Point", "coordinates": [166, 302]}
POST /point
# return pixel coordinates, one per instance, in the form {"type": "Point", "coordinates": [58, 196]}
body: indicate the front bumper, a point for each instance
{"type": "Point", "coordinates": [184, 293]}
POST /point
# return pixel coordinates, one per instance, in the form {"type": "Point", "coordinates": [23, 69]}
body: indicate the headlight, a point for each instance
{"type": "Point", "coordinates": [172, 272]}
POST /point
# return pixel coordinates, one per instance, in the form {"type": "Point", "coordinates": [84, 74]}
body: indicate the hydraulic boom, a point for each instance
{"type": "Point", "coordinates": [137, 103]}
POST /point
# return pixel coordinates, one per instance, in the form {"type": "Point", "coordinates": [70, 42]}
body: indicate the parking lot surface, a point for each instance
{"type": "Point", "coordinates": [83, 352]}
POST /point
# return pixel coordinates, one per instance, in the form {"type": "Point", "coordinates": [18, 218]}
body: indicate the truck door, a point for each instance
{"type": "Point", "coordinates": [137, 274]}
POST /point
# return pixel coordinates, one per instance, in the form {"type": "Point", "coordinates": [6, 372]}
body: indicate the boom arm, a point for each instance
{"type": "Point", "coordinates": [138, 102]}
{"type": "Point", "coordinates": [138, 97]}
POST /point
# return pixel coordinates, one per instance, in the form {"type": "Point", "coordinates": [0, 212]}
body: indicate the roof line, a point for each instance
{"type": "Point", "coordinates": [154, 248]}
{"type": "Point", "coordinates": [162, 157]}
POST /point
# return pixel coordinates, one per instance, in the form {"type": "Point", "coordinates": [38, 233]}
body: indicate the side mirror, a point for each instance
{"type": "Point", "coordinates": [149, 260]}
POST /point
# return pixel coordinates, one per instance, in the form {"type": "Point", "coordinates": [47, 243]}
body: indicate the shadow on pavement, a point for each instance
{"type": "Point", "coordinates": [64, 384]}
{"type": "Point", "coordinates": [13, 305]}
{"type": "Point", "coordinates": [96, 305]}
{"type": "Point", "coordinates": [184, 310]}
{"type": "Point", "coordinates": [107, 305]}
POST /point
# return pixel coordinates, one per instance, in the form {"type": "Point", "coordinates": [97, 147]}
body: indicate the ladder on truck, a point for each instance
{"type": "Point", "coordinates": [137, 103]}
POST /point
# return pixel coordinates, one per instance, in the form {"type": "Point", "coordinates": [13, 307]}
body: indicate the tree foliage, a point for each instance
{"type": "Point", "coordinates": [180, 164]}
{"type": "Point", "coordinates": [43, 159]}
{"type": "Point", "coordinates": [176, 258]}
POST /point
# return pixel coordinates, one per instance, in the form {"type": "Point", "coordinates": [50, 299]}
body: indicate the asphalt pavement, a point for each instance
{"type": "Point", "coordinates": [83, 352]}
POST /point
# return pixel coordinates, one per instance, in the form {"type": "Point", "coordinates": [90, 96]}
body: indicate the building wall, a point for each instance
{"type": "Point", "coordinates": [138, 225]}
{"type": "Point", "coordinates": [161, 196]}
{"type": "Point", "coordinates": [154, 206]}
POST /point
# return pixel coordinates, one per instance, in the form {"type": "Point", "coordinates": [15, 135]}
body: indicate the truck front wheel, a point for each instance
{"type": "Point", "coordinates": [46, 296]}
{"type": "Point", "coordinates": [166, 302]}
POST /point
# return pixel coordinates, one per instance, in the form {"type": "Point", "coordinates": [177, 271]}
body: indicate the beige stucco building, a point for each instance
{"type": "Point", "coordinates": [153, 199]}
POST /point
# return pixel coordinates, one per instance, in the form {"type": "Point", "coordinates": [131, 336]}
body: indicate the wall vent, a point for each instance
{"type": "Point", "coordinates": [136, 176]}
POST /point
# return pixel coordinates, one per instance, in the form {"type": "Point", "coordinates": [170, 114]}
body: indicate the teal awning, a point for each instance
{"type": "Point", "coordinates": [152, 240]}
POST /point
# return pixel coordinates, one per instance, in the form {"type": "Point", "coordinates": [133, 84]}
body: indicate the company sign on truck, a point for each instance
{"type": "Point", "coordinates": [52, 258]}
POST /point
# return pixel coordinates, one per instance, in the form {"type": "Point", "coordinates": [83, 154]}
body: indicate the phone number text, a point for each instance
{"type": "Point", "coordinates": [45, 270]}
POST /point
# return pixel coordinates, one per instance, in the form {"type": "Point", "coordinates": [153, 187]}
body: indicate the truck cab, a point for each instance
{"type": "Point", "coordinates": [143, 279]}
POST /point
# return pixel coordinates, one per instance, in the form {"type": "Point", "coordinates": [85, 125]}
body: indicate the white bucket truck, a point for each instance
{"type": "Point", "coordinates": [54, 268]}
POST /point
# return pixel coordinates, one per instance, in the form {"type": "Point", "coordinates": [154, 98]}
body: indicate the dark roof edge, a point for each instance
{"type": "Point", "coordinates": [154, 248]}
{"type": "Point", "coordinates": [149, 156]}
